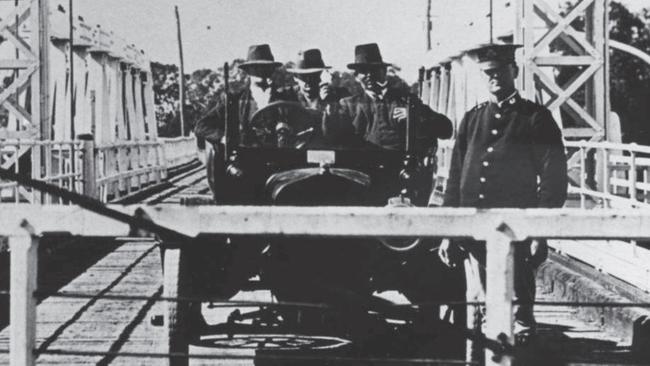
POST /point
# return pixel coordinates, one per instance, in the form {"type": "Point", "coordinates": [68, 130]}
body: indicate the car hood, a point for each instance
{"type": "Point", "coordinates": [319, 180]}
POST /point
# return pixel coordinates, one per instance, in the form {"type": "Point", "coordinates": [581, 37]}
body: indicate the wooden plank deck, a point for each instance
{"type": "Point", "coordinates": [107, 325]}
{"type": "Point", "coordinates": [134, 268]}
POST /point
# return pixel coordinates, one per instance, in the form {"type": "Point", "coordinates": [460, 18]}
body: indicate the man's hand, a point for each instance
{"type": "Point", "coordinates": [449, 253]}
{"type": "Point", "coordinates": [325, 91]}
{"type": "Point", "coordinates": [538, 252]}
{"type": "Point", "coordinates": [399, 114]}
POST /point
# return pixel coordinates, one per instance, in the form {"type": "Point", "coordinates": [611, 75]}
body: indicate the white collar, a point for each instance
{"type": "Point", "coordinates": [373, 95]}
{"type": "Point", "coordinates": [261, 97]}
{"type": "Point", "coordinates": [500, 103]}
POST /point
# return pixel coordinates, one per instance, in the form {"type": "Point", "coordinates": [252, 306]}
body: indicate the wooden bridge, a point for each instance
{"type": "Point", "coordinates": [82, 117]}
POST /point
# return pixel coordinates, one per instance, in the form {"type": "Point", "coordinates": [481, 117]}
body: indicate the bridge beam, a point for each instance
{"type": "Point", "coordinates": [537, 82]}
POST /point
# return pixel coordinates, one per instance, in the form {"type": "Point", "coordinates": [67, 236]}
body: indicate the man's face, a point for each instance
{"type": "Point", "coordinates": [501, 79]}
{"type": "Point", "coordinates": [260, 74]}
{"type": "Point", "coordinates": [308, 83]}
{"type": "Point", "coordinates": [371, 77]}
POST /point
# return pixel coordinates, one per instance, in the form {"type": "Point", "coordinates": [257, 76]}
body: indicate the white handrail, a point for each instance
{"type": "Point", "coordinates": [118, 168]}
{"type": "Point", "coordinates": [501, 228]}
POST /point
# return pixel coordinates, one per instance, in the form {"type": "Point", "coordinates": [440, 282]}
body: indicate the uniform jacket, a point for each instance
{"type": "Point", "coordinates": [211, 126]}
{"type": "Point", "coordinates": [371, 119]}
{"type": "Point", "coordinates": [501, 153]}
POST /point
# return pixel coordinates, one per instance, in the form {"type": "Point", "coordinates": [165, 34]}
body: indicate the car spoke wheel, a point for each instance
{"type": "Point", "coordinates": [273, 342]}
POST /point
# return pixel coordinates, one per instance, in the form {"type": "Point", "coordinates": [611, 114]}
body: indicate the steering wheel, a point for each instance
{"type": "Point", "coordinates": [284, 124]}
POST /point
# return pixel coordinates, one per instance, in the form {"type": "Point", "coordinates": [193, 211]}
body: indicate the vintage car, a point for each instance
{"type": "Point", "coordinates": [286, 159]}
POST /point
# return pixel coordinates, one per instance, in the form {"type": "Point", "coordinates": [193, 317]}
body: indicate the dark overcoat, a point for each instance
{"type": "Point", "coordinates": [211, 126]}
{"type": "Point", "coordinates": [371, 119]}
{"type": "Point", "coordinates": [508, 156]}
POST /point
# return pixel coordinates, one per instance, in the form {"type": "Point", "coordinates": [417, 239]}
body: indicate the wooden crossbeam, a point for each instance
{"type": "Point", "coordinates": [17, 83]}
{"type": "Point", "coordinates": [21, 11]}
{"type": "Point", "coordinates": [19, 43]}
{"type": "Point", "coordinates": [577, 83]}
{"type": "Point", "coordinates": [579, 132]}
{"type": "Point", "coordinates": [566, 101]}
{"type": "Point", "coordinates": [14, 158]}
{"type": "Point", "coordinates": [586, 117]}
{"type": "Point", "coordinates": [28, 134]}
{"type": "Point", "coordinates": [13, 64]}
{"type": "Point", "coordinates": [561, 26]}
{"type": "Point", "coordinates": [564, 60]}
{"type": "Point", "coordinates": [551, 18]}
{"type": "Point", "coordinates": [569, 34]}
{"type": "Point", "coordinates": [17, 109]}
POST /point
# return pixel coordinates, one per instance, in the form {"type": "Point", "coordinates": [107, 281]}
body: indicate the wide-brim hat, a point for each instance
{"type": "Point", "coordinates": [309, 61]}
{"type": "Point", "coordinates": [493, 55]}
{"type": "Point", "coordinates": [260, 55]}
{"type": "Point", "coordinates": [367, 55]}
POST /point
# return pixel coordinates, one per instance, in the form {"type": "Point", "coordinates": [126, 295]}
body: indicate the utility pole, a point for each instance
{"type": "Point", "coordinates": [181, 79]}
{"type": "Point", "coordinates": [491, 21]}
{"type": "Point", "coordinates": [429, 25]}
{"type": "Point", "coordinates": [72, 89]}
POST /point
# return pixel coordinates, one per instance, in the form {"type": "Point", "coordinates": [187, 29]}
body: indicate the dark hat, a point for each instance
{"type": "Point", "coordinates": [367, 55]}
{"type": "Point", "coordinates": [309, 61]}
{"type": "Point", "coordinates": [260, 55]}
{"type": "Point", "coordinates": [493, 55]}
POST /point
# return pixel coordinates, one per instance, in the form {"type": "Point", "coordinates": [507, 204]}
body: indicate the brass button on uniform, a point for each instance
{"type": "Point", "coordinates": [481, 196]}
{"type": "Point", "coordinates": [483, 180]}
{"type": "Point", "coordinates": [497, 116]}
{"type": "Point", "coordinates": [485, 163]}
{"type": "Point", "coordinates": [490, 149]}
{"type": "Point", "coordinates": [495, 132]}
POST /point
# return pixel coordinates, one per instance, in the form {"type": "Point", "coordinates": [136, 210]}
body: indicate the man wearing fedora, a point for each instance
{"type": "Point", "coordinates": [378, 115]}
{"type": "Point", "coordinates": [313, 89]}
{"type": "Point", "coordinates": [508, 153]}
{"type": "Point", "coordinates": [259, 66]}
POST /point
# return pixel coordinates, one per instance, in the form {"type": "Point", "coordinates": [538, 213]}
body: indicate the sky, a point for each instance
{"type": "Point", "coordinates": [215, 31]}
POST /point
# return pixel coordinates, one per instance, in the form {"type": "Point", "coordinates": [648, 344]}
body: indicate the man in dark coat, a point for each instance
{"type": "Point", "coordinates": [378, 115]}
{"type": "Point", "coordinates": [508, 153]}
{"type": "Point", "coordinates": [314, 89]}
{"type": "Point", "coordinates": [260, 66]}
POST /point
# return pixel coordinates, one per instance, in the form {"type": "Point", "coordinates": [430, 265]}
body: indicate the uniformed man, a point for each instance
{"type": "Point", "coordinates": [508, 153]}
{"type": "Point", "coordinates": [259, 66]}
{"type": "Point", "coordinates": [378, 115]}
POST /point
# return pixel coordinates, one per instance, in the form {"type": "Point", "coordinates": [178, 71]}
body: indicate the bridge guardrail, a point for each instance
{"type": "Point", "coordinates": [116, 169]}
{"type": "Point", "coordinates": [621, 175]}
{"type": "Point", "coordinates": [501, 228]}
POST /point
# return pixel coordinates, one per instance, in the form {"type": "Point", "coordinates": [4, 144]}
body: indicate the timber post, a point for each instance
{"type": "Point", "coordinates": [22, 303]}
{"type": "Point", "coordinates": [89, 170]}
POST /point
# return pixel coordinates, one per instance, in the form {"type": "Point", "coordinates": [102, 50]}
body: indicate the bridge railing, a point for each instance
{"type": "Point", "coordinates": [602, 175]}
{"type": "Point", "coordinates": [621, 173]}
{"type": "Point", "coordinates": [56, 162]}
{"type": "Point", "coordinates": [178, 150]}
{"type": "Point", "coordinates": [502, 229]}
{"type": "Point", "coordinates": [107, 171]}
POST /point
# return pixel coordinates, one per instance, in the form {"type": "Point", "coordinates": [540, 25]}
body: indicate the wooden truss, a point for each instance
{"type": "Point", "coordinates": [28, 73]}
{"type": "Point", "coordinates": [589, 52]}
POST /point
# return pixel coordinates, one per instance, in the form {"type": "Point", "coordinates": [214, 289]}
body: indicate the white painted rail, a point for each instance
{"type": "Point", "coordinates": [499, 227]}
{"type": "Point", "coordinates": [107, 171]}
{"type": "Point", "coordinates": [621, 179]}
